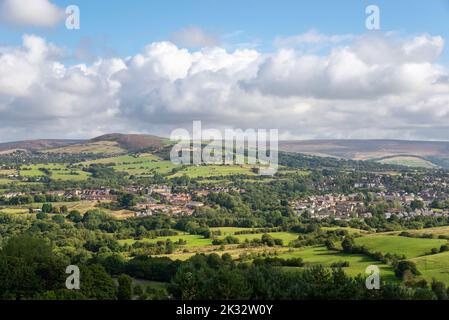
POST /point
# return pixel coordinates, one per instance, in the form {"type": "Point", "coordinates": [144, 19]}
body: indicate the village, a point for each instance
{"type": "Point", "coordinates": [344, 207]}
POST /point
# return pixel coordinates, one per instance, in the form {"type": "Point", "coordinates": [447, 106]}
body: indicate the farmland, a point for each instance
{"type": "Point", "coordinates": [409, 247]}
{"type": "Point", "coordinates": [434, 267]}
{"type": "Point", "coordinates": [53, 171]}
{"type": "Point", "coordinates": [322, 256]}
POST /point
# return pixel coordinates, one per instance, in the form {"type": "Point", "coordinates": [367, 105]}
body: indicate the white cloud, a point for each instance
{"type": "Point", "coordinates": [311, 37]}
{"type": "Point", "coordinates": [368, 88]}
{"type": "Point", "coordinates": [34, 13]}
{"type": "Point", "coordinates": [194, 37]}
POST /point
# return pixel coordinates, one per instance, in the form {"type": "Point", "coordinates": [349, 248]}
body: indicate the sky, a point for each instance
{"type": "Point", "coordinates": [311, 69]}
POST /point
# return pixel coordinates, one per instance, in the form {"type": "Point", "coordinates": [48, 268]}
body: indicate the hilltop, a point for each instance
{"type": "Point", "coordinates": [113, 143]}
{"type": "Point", "coordinates": [412, 153]}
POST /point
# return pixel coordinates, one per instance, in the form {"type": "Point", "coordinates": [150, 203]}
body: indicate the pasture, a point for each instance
{"type": "Point", "coordinates": [410, 247]}
{"type": "Point", "coordinates": [434, 267]}
{"type": "Point", "coordinates": [214, 171]}
{"type": "Point", "coordinates": [56, 172]}
{"type": "Point", "coordinates": [322, 256]}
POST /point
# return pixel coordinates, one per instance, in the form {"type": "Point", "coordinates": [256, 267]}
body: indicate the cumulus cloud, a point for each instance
{"type": "Point", "coordinates": [311, 37]}
{"type": "Point", "coordinates": [372, 87]}
{"type": "Point", "coordinates": [34, 13]}
{"type": "Point", "coordinates": [194, 37]}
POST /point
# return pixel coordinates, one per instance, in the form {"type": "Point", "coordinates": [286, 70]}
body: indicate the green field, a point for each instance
{"type": "Point", "coordinates": [348, 229]}
{"type": "Point", "coordinates": [438, 231]}
{"type": "Point", "coordinates": [192, 240]}
{"type": "Point", "coordinates": [357, 262]}
{"type": "Point", "coordinates": [107, 147]}
{"type": "Point", "coordinates": [214, 171]}
{"type": "Point", "coordinates": [226, 231]}
{"type": "Point", "coordinates": [200, 241]}
{"type": "Point", "coordinates": [434, 267]}
{"type": "Point", "coordinates": [5, 181]}
{"type": "Point", "coordinates": [410, 247]}
{"type": "Point", "coordinates": [14, 210]}
{"type": "Point", "coordinates": [413, 162]}
{"type": "Point", "coordinates": [142, 165]}
{"type": "Point", "coordinates": [57, 172]}
{"type": "Point", "coordinates": [286, 237]}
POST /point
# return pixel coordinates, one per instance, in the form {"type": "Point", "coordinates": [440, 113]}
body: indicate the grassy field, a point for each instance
{"type": "Point", "coordinates": [285, 236]}
{"type": "Point", "coordinates": [438, 231]}
{"type": "Point", "coordinates": [410, 247]}
{"type": "Point", "coordinates": [413, 162]}
{"type": "Point", "coordinates": [322, 256]}
{"type": "Point", "coordinates": [142, 165]}
{"type": "Point", "coordinates": [348, 229]}
{"type": "Point", "coordinates": [5, 181]}
{"type": "Point", "coordinates": [226, 231]}
{"type": "Point", "coordinates": [7, 172]}
{"type": "Point", "coordinates": [14, 210]}
{"type": "Point", "coordinates": [193, 241]}
{"type": "Point", "coordinates": [57, 172]}
{"type": "Point", "coordinates": [214, 171]}
{"type": "Point", "coordinates": [235, 253]}
{"type": "Point", "coordinates": [107, 147]}
{"type": "Point", "coordinates": [434, 267]}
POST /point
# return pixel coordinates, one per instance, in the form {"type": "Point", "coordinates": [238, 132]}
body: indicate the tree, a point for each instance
{"type": "Point", "coordinates": [41, 216]}
{"type": "Point", "coordinates": [47, 208]}
{"type": "Point", "coordinates": [126, 200]}
{"type": "Point", "coordinates": [439, 289]}
{"type": "Point", "coordinates": [406, 267]}
{"type": "Point", "coordinates": [58, 219]}
{"type": "Point", "coordinates": [75, 216]}
{"type": "Point", "coordinates": [124, 287]}
{"type": "Point", "coordinates": [348, 244]}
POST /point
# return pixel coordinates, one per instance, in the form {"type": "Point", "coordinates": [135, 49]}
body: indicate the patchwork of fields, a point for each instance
{"type": "Point", "coordinates": [322, 256]}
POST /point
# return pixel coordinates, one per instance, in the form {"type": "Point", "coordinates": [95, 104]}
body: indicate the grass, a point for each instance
{"type": "Point", "coordinates": [7, 172]}
{"type": "Point", "coordinates": [60, 172]}
{"type": "Point", "coordinates": [437, 231]}
{"type": "Point", "coordinates": [107, 147]}
{"type": "Point", "coordinates": [348, 229]}
{"type": "Point", "coordinates": [5, 181]}
{"type": "Point", "coordinates": [226, 231]}
{"type": "Point", "coordinates": [286, 237]}
{"type": "Point", "coordinates": [235, 253]}
{"type": "Point", "coordinates": [214, 171]}
{"type": "Point", "coordinates": [193, 241]}
{"type": "Point", "coordinates": [322, 256]}
{"type": "Point", "coordinates": [410, 247]}
{"type": "Point", "coordinates": [434, 267]}
{"type": "Point", "coordinates": [413, 162]}
{"type": "Point", "coordinates": [12, 210]}
{"type": "Point", "coordinates": [142, 165]}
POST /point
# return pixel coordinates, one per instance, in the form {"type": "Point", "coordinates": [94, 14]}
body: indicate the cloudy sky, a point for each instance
{"type": "Point", "coordinates": [311, 71]}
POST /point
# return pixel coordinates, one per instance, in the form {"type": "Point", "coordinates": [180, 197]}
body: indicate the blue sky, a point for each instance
{"type": "Point", "coordinates": [125, 27]}
{"type": "Point", "coordinates": [310, 69]}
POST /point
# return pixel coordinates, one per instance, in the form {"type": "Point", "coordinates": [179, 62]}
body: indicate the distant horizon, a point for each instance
{"type": "Point", "coordinates": [165, 137]}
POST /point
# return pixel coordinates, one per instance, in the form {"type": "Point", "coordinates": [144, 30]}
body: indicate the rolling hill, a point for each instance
{"type": "Point", "coordinates": [427, 154]}
{"type": "Point", "coordinates": [113, 143]}
{"type": "Point", "coordinates": [32, 145]}
{"type": "Point", "coordinates": [410, 153]}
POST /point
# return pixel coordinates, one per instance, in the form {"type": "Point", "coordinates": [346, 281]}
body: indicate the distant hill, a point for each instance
{"type": "Point", "coordinates": [132, 141]}
{"type": "Point", "coordinates": [32, 145]}
{"type": "Point", "coordinates": [411, 153]}
{"type": "Point", "coordinates": [110, 143]}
